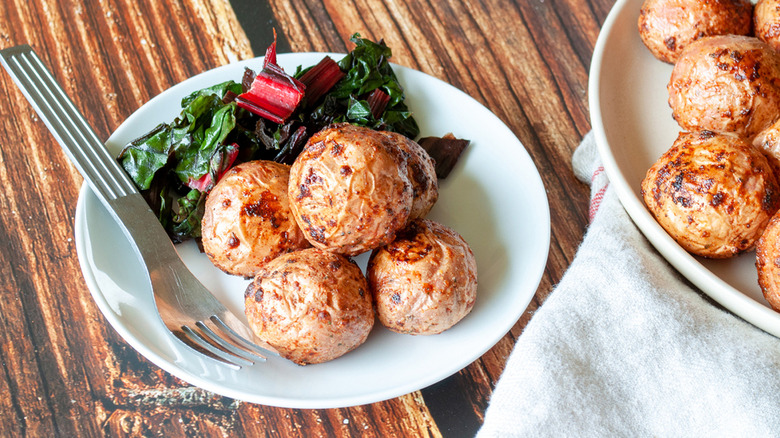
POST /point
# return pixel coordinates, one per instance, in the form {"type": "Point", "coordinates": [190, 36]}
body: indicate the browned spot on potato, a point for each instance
{"type": "Point", "coordinates": [267, 207]}
{"type": "Point", "coordinates": [303, 192]}
{"type": "Point", "coordinates": [247, 219]}
{"type": "Point", "coordinates": [717, 199]}
{"type": "Point", "coordinates": [315, 149]}
{"type": "Point", "coordinates": [671, 43]}
{"type": "Point", "coordinates": [312, 178]}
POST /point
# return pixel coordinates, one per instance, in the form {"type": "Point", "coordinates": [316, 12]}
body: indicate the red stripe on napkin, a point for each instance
{"type": "Point", "coordinates": [598, 195]}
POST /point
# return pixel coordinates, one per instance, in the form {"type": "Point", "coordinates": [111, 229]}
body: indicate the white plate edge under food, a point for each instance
{"type": "Point", "coordinates": [731, 298]}
{"type": "Point", "coordinates": [539, 264]}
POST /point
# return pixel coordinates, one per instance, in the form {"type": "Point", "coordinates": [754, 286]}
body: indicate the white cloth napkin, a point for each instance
{"type": "Point", "coordinates": [624, 347]}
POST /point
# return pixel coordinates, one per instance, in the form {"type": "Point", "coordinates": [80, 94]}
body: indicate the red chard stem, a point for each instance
{"type": "Point", "coordinates": [377, 101]}
{"type": "Point", "coordinates": [274, 94]}
{"type": "Point", "coordinates": [320, 79]}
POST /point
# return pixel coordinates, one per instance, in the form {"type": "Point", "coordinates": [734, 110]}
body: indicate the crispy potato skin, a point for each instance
{"type": "Point", "coordinates": [349, 189]}
{"type": "Point", "coordinates": [766, 22]}
{"type": "Point", "coordinates": [667, 27]}
{"type": "Point", "coordinates": [425, 281]}
{"type": "Point", "coordinates": [247, 219]}
{"type": "Point", "coordinates": [311, 305]}
{"type": "Point", "coordinates": [421, 172]}
{"type": "Point", "coordinates": [768, 262]}
{"type": "Point", "coordinates": [726, 84]}
{"type": "Point", "coordinates": [713, 193]}
{"type": "Point", "coordinates": [768, 142]}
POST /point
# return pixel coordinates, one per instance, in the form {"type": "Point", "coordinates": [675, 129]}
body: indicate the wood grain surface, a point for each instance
{"type": "Point", "coordinates": [65, 372]}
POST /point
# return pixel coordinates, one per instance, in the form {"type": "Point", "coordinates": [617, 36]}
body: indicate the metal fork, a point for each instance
{"type": "Point", "coordinates": [186, 307]}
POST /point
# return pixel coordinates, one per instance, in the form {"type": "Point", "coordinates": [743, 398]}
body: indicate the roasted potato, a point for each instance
{"type": "Point", "coordinates": [421, 173]}
{"type": "Point", "coordinates": [726, 84]}
{"type": "Point", "coordinates": [247, 219]}
{"type": "Point", "coordinates": [425, 281]}
{"type": "Point", "coordinates": [768, 262]}
{"type": "Point", "coordinates": [349, 189]}
{"type": "Point", "coordinates": [667, 27]}
{"type": "Point", "coordinates": [766, 22]}
{"type": "Point", "coordinates": [312, 306]}
{"type": "Point", "coordinates": [713, 193]}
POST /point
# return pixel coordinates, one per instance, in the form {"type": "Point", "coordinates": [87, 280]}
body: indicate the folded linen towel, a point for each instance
{"type": "Point", "coordinates": [625, 347]}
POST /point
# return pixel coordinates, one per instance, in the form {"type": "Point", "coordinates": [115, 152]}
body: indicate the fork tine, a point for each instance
{"type": "Point", "coordinates": [198, 340]}
{"type": "Point", "coordinates": [238, 338]}
{"type": "Point", "coordinates": [214, 338]}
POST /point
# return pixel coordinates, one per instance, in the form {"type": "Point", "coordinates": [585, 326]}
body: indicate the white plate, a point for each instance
{"type": "Point", "coordinates": [494, 198]}
{"type": "Point", "coordinates": [633, 126]}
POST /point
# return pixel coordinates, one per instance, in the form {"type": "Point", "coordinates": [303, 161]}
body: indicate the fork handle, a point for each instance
{"type": "Point", "coordinates": [80, 143]}
{"type": "Point", "coordinates": [100, 170]}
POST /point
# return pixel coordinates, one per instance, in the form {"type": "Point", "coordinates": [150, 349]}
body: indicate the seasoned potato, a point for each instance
{"type": "Point", "coordinates": [350, 190]}
{"type": "Point", "coordinates": [421, 173]}
{"type": "Point", "coordinates": [726, 84]}
{"type": "Point", "coordinates": [425, 281]}
{"type": "Point", "coordinates": [768, 142]}
{"type": "Point", "coordinates": [713, 193]}
{"type": "Point", "coordinates": [766, 20]}
{"type": "Point", "coordinates": [311, 305]}
{"type": "Point", "coordinates": [247, 220]}
{"type": "Point", "coordinates": [667, 27]}
{"type": "Point", "coordinates": [768, 262]}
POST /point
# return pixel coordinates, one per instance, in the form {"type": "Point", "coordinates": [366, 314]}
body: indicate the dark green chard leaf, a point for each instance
{"type": "Point", "coordinates": [196, 113]}
{"type": "Point", "coordinates": [188, 149]}
{"type": "Point", "coordinates": [401, 120]}
{"type": "Point", "coordinates": [367, 69]}
{"type": "Point", "coordinates": [146, 155]}
{"type": "Point", "coordinates": [358, 111]}
{"type": "Point", "coordinates": [366, 66]}
{"type": "Point", "coordinates": [395, 91]}
{"type": "Point", "coordinates": [250, 145]}
{"type": "Point", "coordinates": [160, 203]}
{"type": "Point", "coordinates": [216, 90]}
{"type": "Point", "coordinates": [194, 161]}
{"type": "Point", "coordinates": [186, 220]}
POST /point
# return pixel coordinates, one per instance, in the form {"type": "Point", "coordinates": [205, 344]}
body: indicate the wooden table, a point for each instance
{"type": "Point", "coordinates": [65, 372]}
